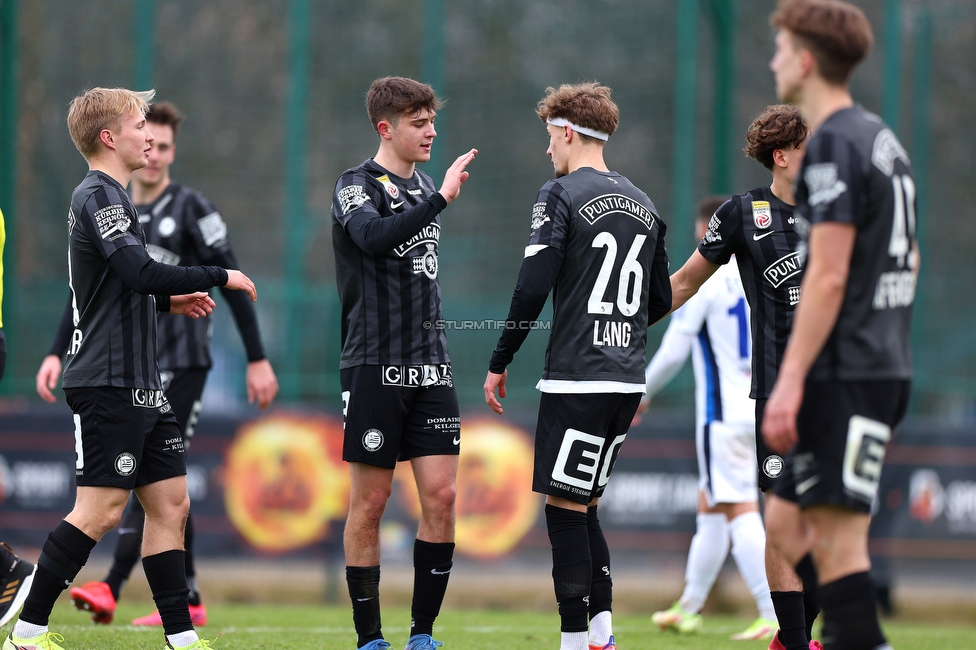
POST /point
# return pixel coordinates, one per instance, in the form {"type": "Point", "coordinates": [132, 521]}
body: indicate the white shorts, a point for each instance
{"type": "Point", "coordinates": [727, 462]}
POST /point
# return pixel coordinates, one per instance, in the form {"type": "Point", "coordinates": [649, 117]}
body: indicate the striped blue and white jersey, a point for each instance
{"type": "Point", "coordinates": [714, 326]}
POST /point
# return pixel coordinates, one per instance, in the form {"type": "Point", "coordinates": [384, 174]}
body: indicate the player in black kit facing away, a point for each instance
{"type": "Point", "coordinates": [182, 227]}
{"type": "Point", "coordinates": [597, 243]}
{"type": "Point", "coordinates": [845, 377]}
{"type": "Point", "coordinates": [126, 435]}
{"type": "Point", "coordinates": [398, 395]}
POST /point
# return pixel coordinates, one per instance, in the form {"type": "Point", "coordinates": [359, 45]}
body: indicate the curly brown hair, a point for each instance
{"type": "Point", "coordinates": [585, 104]}
{"type": "Point", "coordinates": [838, 34]}
{"type": "Point", "coordinates": [389, 98]}
{"type": "Point", "coordinates": [778, 127]}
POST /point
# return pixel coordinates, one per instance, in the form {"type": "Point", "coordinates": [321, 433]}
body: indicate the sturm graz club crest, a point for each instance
{"type": "Point", "coordinates": [426, 263]}
{"type": "Point", "coordinates": [773, 466]}
{"type": "Point", "coordinates": [373, 439]}
{"type": "Point", "coordinates": [125, 464]}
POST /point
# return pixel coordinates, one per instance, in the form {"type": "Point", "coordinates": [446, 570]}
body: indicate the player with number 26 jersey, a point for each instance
{"type": "Point", "coordinates": [609, 237]}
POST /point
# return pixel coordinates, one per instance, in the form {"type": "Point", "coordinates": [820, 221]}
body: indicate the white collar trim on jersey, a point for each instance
{"type": "Point", "coordinates": [593, 133]}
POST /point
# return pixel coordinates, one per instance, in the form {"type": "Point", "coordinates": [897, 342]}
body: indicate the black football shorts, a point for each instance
{"type": "Point", "coordinates": [844, 429]}
{"type": "Point", "coordinates": [770, 463]}
{"type": "Point", "coordinates": [184, 390]}
{"type": "Point", "coordinates": [124, 437]}
{"type": "Point", "coordinates": [577, 440]}
{"type": "Point", "coordinates": [393, 413]}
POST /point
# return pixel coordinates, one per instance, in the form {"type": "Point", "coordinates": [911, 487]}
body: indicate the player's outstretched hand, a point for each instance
{"type": "Point", "coordinates": [240, 282]}
{"type": "Point", "coordinates": [262, 385]}
{"type": "Point", "coordinates": [195, 305]}
{"type": "Point", "coordinates": [47, 377]}
{"type": "Point", "coordinates": [456, 175]}
{"type": "Point", "coordinates": [779, 419]}
{"type": "Point", "coordinates": [493, 381]}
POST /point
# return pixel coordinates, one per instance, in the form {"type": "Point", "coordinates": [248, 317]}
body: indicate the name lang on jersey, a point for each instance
{"type": "Point", "coordinates": [611, 333]}
{"type": "Point", "coordinates": [429, 234]}
{"type": "Point", "coordinates": [607, 204]}
{"type": "Point", "coordinates": [784, 268]}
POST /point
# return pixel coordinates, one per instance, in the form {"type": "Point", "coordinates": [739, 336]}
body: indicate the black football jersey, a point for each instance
{"type": "Point", "coordinates": [765, 236]}
{"type": "Point", "coordinates": [184, 229]}
{"type": "Point", "coordinates": [391, 301]}
{"type": "Point", "coordinates": [856, 172]}
{"type": "Point", "coordinates": [611, 236]}
{"type": "Point", "coordinates": [114, 338]}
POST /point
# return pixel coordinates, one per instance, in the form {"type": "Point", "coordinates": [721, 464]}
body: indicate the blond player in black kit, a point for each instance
{"type": "Point", "coordinates": [126, 435]}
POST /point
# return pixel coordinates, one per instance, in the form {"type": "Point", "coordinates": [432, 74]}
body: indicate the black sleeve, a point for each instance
{"type": "Point", "coordinates": [659, 300]}
{"type": "Point", "coordinates": [163, 303]}
{"type": "Point", "coordinates": [536, 279]}
{"type": "Point", "coordinates": [145, 275]}
{"type": "Point", "coordinates": [63, 336]}
{"type": "Point", "coordinates": [246, 318]}
{"type": "Point", "coordinates": [378, 235]}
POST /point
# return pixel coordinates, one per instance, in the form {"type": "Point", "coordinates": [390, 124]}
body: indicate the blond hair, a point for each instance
{"type": "Point", "coordinates": [99, 109]}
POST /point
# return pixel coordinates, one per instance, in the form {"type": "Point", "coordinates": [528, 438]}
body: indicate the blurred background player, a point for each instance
{"type": "Point", "coordinates": [759, 229]}
{"type": "Point", "coordinates": [845, 379]}
{"type": "Point", "coordinates": [182, 227]}
{"type": "Point", "coordinates": [399, 401]}
{"type": "Point", "coordinates": [15, 574]}
{"type": "Point", "coordinates": [126, 435]}
{"type": "Point", "coordinates": [596, 243]}
{"type": "Point", "coordinates": [714, 327]}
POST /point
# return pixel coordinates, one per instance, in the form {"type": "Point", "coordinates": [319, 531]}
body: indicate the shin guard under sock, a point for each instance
{"type": "Point", "coordinates": [364, 591]}
{"type": "Point", "coordinates": [789, 614]}
{"type": "Point", "coordinates": [166, 574]}
{"type": "Point", "coordinates": [432, 567]}
{"type": "Point", "coordinates": [850, 614]}
{"type": "Point", "coordinates": [572, 569]}
{"type": "Point", "coordinates": [601, 587]}
{"type": "Point", "coordinates": [65, 552]}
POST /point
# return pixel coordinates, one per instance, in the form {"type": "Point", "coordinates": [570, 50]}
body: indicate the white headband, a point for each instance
{"type": "Point", "coordinates": [593, 133]}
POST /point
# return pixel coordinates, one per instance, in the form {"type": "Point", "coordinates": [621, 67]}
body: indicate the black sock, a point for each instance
{"type": "Point", "coordinates": [128, 550]}
{"type": "Point", "coordinates": [364, 590]}
{"type": "Point", "coordinates": [191, 571]}
{"type": "Point", "coordinates": [166, 575]}
{"type": "Point", "coordinates": [850, 614]}
{"type": "Point", "coordinates": [601, 587]}
{"type": "Point", "coordinates": [789, 613]}
{"type": "Point", "coordinates": [572, 568]}
{"type": "Point", "coordinates": [65, 552]}
{"type": "Point", "coordinates": [432, 567]}
{"type": "Point", "coordinates": [807, 571]}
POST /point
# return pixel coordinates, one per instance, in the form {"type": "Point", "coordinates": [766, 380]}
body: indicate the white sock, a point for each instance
{"type": "Point", "coordinates": [182, 639]}
{"type": "Point", "coordinates": [572, 641]}
{"type": "Point", "coordinates": [748, 549]}
{"type": "Point", "coordinates": [601, 629]}
{"type": "Point", "coordinates": [709, 548]}
{"type": "Point", "coordinates": [24, 630]}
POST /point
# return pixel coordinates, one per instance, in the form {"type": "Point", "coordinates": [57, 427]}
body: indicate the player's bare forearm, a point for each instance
{"type": "Point", "coordinates": [456, 175]}
{"type": "Point", "coordinates": [687, 280]}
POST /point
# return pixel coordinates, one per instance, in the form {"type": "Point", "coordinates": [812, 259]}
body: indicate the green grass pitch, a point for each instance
{"type": "Point", "coordinates": [286, 627]}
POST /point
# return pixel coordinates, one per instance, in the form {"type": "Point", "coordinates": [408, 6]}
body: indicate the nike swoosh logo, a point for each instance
{"type": "Point", "coordinates": [457, 440]}
{"type": "Point", "coordinates": [803, 486]}
{"type": "Point", "coordinates": [439, 573]}
{"type": "Point", "coordinates": [362, 600]}
{"type": "Point", "coordinates": [396, 205]}
{"type": "Point", "coordinates": [756, 236]}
